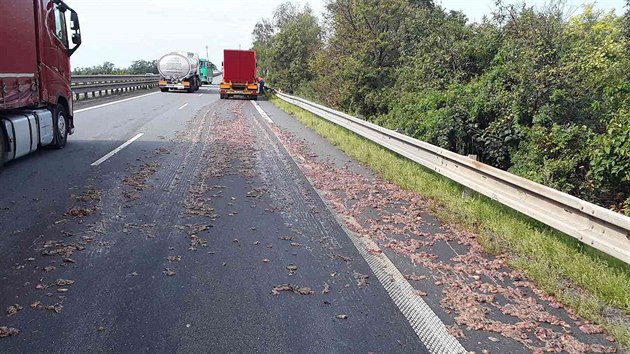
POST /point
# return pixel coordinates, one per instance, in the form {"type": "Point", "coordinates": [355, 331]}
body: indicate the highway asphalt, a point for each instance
{"type": "Point", "coordinates": [202, 235]}
{"type": "Point", "coordinates": [177, 222]}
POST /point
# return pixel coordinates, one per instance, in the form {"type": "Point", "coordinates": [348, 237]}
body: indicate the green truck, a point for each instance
{"type": "Point", "coordinates": [205, 68]}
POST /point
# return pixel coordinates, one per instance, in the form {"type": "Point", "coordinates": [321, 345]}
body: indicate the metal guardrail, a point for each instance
{"type": "Point", "coordinates": [598, 227]}
{"type": "Point", "coordinates": [91, 86]}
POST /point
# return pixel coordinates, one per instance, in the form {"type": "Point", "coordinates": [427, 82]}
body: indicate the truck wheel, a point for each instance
{"type": "Point", "coordinates": [164, 89]}
{"type": "Point", "coordinates": [60, 127]}
{"type": "Point", "coordinates": [191, 88]}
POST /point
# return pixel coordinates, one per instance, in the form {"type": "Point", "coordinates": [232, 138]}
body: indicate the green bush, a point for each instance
{"type": "Point", "coordinates": [534, 91]}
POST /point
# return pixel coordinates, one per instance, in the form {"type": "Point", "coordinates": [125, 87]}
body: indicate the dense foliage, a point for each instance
{"type": "Point", "coordinates": [535, 91]}
{"type": "Point", "coordinates": [138, 67]}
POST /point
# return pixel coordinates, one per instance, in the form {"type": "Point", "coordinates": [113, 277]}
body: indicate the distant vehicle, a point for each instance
{"type": "Point", "coordinates": [239, 74]}
{"type": "Point", "coordinates": [205, 71]}
{"type": "Point", "coordinates": [179, 70]}
{"type": "Point", "coordinates": [35, 96]}
{"type": "Point", "coordinates": [149, 74]}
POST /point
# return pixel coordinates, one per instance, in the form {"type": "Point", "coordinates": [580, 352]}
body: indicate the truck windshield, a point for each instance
{"type": "Point", "coordinates": [60, 26]}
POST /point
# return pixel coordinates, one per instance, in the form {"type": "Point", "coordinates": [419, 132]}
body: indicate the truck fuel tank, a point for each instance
{"type": "Point", "coordinates": [25, 134]}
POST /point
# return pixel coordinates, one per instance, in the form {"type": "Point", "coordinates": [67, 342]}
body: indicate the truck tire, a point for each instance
{"type": "Point", "coordinates": [164, 89]}
{"type": "Point", "coordinates": [60, 127]}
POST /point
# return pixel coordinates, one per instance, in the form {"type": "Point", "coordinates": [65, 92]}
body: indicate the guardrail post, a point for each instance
{"type": "Point", "coordinates": [467, 192]}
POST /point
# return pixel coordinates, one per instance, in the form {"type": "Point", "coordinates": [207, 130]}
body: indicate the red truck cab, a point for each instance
{"type": "Point", "coordinates": [35, 94]}
{"type": "Point", "coordinates": [239, 74]}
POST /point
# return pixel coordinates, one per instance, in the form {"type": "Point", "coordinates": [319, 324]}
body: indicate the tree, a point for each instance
{"type": "Point", "coordinates": [535, 91]}
{"type": "Point", "coordinates": [138, 67]}
{"type": "Point", "coordinates": [141, 67]}
{"type": "Point", "coordinates": [287, 46]}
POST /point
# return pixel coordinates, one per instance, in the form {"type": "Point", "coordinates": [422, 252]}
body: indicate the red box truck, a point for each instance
{"type": "Point", "coordinates": [239, 74]}
{"type": "Point", "coordinates": [35, 95]}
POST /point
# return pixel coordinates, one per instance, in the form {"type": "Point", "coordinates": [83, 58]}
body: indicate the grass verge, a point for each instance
{"type": "Point", "coordinates": [595, 286]}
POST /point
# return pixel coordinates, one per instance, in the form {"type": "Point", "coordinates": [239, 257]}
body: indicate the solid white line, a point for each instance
{"type": "Point", "coordinates": [116, 150]}
{"type": "Point", "coordinates": [427, 325]}
{"type": "Point", "coordinates": [111, 103]}
{"type": "Point", "coordinates": [262, 113]}
{"type": "Point", "coordinates": [185, 104]}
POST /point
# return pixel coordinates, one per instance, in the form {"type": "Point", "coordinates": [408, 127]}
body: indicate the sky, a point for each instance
{"type": "Point", "coordinates": [121, 31]}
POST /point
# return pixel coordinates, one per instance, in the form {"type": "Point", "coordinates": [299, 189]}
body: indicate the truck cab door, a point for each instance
{"type": "Point", "coordinates": [54, 61]}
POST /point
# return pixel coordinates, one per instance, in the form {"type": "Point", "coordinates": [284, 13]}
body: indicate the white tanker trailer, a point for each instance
{"type": "Point", "coordinates": [179, 71]}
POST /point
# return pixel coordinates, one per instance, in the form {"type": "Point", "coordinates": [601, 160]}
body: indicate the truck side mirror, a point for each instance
{"type": "Point", "coordinates": [74, 19]}
{"type": "Point", "coordinates": [76, 36]}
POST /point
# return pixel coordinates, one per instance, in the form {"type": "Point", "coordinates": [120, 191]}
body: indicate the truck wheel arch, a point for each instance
{"type": "Point", "coordinates": [61, 100]}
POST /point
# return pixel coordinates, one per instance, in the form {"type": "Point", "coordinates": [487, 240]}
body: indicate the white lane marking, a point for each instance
{"type": "Point", "coordinates": [111, 103]}
{"type": "Point", "coordinates": [116, 150]}
{"type": "Point", "coordinates": [262, 113]}
{"type": "Point", "coordinates": [184, 105]}
{"type": "Point", "coordinates": [429, 328]}
{"type": "Point", "coordinates": [201, 94]}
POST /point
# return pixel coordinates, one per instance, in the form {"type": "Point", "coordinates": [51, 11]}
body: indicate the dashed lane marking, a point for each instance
{"type": "Point", "coordinates": [116, 150]}
{"type": "Point", "coordinates": [115, 102]}
{"type": "Point", "coordinates": [182, 107]}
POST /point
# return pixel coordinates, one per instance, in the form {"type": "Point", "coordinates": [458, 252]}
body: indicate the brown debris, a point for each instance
{"type": "Point", "coordinates": [362, 279]}
{"type": "Point", "coordinates": [60, 248]}
{"type": "Point", "coordinates": [589, 328]}
{"type": "Point", "coordinates": [139, 178]}
{"type": "Point", "coordinates": [292, 288]}
{"type": "Point", "coordinates": [174, 258]}
{"type": "Point", "coordinates": [292, 268]}
{"type": "Point", "coordinates": [344, 258]}
{"type": "Point", "coordinates": [90, 195]}
{"type": "Point", "coordinates": [13, 309]}
{"type": "Point", "coordinates": [196, 241]}
{"type": "Point", "coordinates": [472, 280]}
{"type": "Point", "coordinates": [326, 288]}
{"type": "Point", "coordinates": [455, 331]}
{"type": "Point", "coordinates": [64, 282]}
{"type": "Point", "coordinates": [80, 212]}
{"type": "Point", "coordinates": [56, 308]}
{"type": "Point", "coordinates": [414, 277]}
{"type": "Point", "coordinates": [8, 331]}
